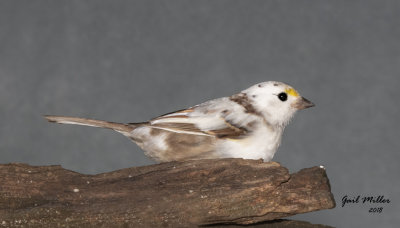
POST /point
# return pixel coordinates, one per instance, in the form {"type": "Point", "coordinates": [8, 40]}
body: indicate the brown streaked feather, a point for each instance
{"type": "Point", "coordinates": [178, 127]}
{"type": "Point", "coordinates": [183, 111]}
{"type": "Point", "coordinates": [182, 146]}
{"type": "Point", "coordinates": [243, 100]}
{"type": "Point", "coordinates": [231, 131]}
{"type": "Point", "coordinates": [227, 130]}
{"type": "Point", "coordinates": [166, 117]}
{"type": "Point", "coordinates": [227, 133]}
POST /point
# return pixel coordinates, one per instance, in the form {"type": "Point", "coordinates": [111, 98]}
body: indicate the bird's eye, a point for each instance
{"type": "Point", "coordinates": [282, 96]}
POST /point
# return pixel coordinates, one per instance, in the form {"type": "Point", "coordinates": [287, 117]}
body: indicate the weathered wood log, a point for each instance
{"type": "Point", "coordinates": [175, 194]}
{"type": "Point", "coordinates": [278, 223]}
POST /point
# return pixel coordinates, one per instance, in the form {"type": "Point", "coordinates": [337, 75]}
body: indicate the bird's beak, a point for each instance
{"type": "Point", "coordinates": [303, 103]}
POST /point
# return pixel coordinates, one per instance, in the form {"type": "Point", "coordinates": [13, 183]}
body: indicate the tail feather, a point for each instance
{"type": "Point", "coordinates": [122, 128]}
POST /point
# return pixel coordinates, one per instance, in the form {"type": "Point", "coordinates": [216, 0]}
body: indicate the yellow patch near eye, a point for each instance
{"type": "Point", "coordinates": [292, 92]}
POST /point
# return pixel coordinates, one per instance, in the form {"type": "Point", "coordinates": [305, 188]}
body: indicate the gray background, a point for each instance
{"type": "Point", "coordinates": [128, 61]}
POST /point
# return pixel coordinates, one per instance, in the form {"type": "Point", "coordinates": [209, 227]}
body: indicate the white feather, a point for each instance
{"type": "Point", "coordinates": [75, 123]}
{"type": "Point", "coordinates": [181, 131]}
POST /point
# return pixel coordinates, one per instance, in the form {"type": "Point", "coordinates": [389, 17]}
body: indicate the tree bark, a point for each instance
{"type": "Point", "coordinates": [174, 194]}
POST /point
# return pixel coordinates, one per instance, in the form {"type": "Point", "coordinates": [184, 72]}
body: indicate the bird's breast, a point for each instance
{"type": "Point", "coordinates": [259, 144]}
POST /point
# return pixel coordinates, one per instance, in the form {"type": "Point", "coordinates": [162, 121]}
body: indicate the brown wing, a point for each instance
{"type": "Point", "coordinates": [188, 121]}
{"type": "Point", "coordinates": [224, 130]}
{"type": "Point", "coordinates": [230, 131]}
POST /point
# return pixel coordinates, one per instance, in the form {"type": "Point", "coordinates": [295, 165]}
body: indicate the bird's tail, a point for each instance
{"type": "Point", "coordinates": [119, 127]}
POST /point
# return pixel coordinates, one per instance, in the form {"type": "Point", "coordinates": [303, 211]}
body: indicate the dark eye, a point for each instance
{"type": "Point", "coordinates": [282, 96]}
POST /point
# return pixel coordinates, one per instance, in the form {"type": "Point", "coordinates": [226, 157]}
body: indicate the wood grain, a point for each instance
{"type": "Point", "coordinates": [173, 194]}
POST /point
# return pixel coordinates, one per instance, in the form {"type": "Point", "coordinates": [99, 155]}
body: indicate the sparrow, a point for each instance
{"type": "Point", "coordinates": [245, 125]}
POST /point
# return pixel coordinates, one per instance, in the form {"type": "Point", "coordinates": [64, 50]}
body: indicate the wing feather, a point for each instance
{"type": "Point", "coordinates": [217, 118]}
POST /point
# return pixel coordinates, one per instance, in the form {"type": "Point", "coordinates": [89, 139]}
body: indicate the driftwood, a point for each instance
{"type": "Point", "coordinates": [175, 194]}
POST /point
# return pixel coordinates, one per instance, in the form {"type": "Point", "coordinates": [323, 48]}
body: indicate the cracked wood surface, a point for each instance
{"type": "Point", "coordinates": [174, 194]}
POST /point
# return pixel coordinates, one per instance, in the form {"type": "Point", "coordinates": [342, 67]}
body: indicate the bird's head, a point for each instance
{"type": "Point", "coordinates": [276, 101]}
